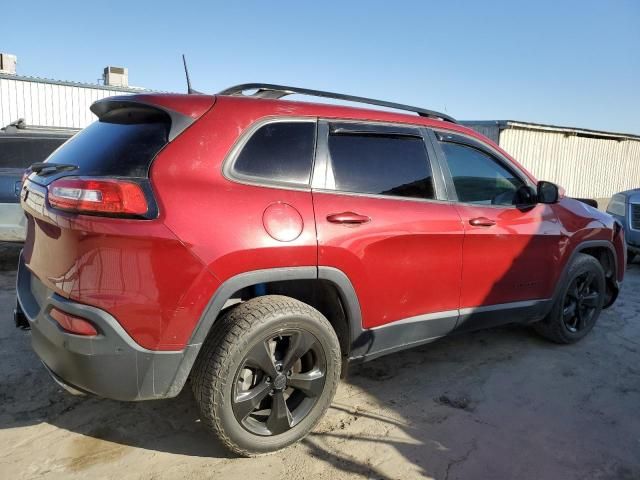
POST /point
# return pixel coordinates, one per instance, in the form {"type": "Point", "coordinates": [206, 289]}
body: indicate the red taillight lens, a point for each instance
{"type": "Point", "coordinates": [84, 195]}
{"type": "Point", "coordinates": [73, 324]}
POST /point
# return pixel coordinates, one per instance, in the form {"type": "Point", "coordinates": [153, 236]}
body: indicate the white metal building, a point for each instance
{"type": "Point", "coordinates": [43, 113]}
{"type": "Point", "coordinates": [55, 103]}
{"type": "Point", "coordinates": [587, 163]}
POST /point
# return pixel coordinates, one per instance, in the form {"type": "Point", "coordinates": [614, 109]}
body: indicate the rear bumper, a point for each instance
{"type": "Point", "coordinates": [109, 365]}
{"type": "Point", "coordinates": [13, 223]}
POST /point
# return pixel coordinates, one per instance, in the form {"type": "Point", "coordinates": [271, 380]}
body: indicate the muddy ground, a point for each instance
{"type": "Point", "coordinates": [491, 405]}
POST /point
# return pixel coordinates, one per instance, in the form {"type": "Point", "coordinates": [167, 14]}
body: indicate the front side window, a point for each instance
{"type": "Point", "coordinates": [478, 178]}
{"type": "Point", "coordinates": [379, 164]}
{"type": "Point", "coordinates": [281, 152]}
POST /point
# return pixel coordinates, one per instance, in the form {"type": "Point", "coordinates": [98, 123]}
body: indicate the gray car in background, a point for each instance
{"type": "Point", "coordinates": [625, 207]}
{"type": "Point", "coordinates": [21, 146]}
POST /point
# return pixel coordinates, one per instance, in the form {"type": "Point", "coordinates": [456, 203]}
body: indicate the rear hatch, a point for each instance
{"type": "Point", "coordinates": [89, 197]}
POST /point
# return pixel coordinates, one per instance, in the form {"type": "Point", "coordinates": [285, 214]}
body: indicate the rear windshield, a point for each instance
{"type": "Point", "coordinates": [20, 151]}
{"type": "Point", "coordinates": [114, 147]}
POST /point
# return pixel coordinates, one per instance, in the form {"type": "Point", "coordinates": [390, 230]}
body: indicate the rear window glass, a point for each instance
{"type": "Point", "coordinates": [378, 164]}
{"type": "Point", "coordinates": [281, 152]}
{"type": "Point", "coordinates": [114, 149]}
{"type": "Point", "coordinates": [22, 151]}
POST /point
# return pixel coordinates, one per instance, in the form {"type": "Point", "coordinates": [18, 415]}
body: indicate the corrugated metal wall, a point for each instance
{"type": "Point", "coordinates": [585, 167]}
{"type": "Point", "coordinates": [49, 104]}
{"type": "Point", "coordinates": [490, 131]}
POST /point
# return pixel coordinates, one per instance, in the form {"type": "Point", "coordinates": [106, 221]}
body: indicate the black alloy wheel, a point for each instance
{"type": "Point", "coordinates": [578, 304]}
{"type": "Point", "coordinates": [581, 302]}
{"type": "Point", "coordinates": [279, 382]}
{"type": "Point", "coordinates": [267, 374]}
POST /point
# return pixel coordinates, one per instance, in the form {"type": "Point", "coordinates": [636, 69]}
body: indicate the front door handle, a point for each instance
{"type": "Point", "coordinates": [482, 222]}
{"type": "Point", "coordinates": [348, 218]}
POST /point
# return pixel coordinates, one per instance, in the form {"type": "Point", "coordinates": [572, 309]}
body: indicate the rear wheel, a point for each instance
{"type": "Point", "coordinates": [631, 256]}
{"type": "Point", "coordinates": [578, 307]}
{"type": "Point", "coordinates": [267, 375]}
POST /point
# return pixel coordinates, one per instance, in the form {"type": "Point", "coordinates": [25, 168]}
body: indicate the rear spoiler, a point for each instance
{"type": "Point", "coordinates": [181, 110]}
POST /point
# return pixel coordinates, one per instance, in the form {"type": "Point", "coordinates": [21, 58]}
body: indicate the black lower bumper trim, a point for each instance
{"type": "Point", "coordinates": [111, 364]}
{"type": "Point", "coordinates": [68, 387]}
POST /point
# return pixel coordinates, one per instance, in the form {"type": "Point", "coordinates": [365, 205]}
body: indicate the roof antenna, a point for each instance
{"type": "Point", "coordinates": [190, 90]}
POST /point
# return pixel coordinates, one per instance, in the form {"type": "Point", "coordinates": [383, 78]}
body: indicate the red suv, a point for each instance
{"type": "Point", "coordinates": [257, 246]}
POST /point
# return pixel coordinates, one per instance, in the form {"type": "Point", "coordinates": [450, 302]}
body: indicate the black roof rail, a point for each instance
{"type": "Point", "coordinates": [267, 90]}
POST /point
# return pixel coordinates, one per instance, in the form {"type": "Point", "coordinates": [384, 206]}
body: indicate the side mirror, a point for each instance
{"type": "Point", "coordinates": [548, 192]}
{"type": "Point", "coordinates": [525, 197]}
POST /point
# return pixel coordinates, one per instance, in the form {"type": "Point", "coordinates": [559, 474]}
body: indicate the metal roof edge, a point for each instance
{"type": "Point", "coordinates": [67, 83]}
{"type": "Point", "coordinates": [485, 123]}
{"type": "Point", "coordinates": [585, 132]}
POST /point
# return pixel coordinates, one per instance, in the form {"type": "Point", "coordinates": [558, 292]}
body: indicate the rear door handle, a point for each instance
{"type": "Point", "coordinates": [482, 222]}
{"type": "Point", "coordinates": [348, 218]}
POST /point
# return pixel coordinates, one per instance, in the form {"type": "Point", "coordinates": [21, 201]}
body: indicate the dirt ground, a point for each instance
{"type": "Point", "coordinates": [491, 405]}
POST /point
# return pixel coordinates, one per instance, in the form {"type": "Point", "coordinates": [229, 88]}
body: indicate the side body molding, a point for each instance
{"type": "Point", "coordinates": [579, 248]}
{"type": "Point", "coordinates": [350, 304]}
{"type": "Point", "coordinates": [217, 303]}
{"type": "Point", "coordinates": [360, 340]}
{"type": "Point", "coordinates": [242, 280]}
{"type": "Point", "coordinates": [367, 344]}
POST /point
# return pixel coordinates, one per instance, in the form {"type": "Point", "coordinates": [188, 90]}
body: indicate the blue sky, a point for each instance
{"type": "Point", "coordinates": [574, 63]}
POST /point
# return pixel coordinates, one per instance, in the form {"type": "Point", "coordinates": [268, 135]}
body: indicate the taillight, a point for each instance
{"type": "Point", "coordinates": [73, 324]}
{"type": "Point", "coordinates": [87, 195]}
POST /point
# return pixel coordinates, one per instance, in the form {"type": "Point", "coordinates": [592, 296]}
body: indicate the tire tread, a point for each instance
{"type": "Point", "coordinates": [229, 334]}
{"type": "Point", "coordinates": [552, 327]}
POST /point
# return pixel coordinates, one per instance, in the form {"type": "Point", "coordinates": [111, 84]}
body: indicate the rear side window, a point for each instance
{"type": "Point", "coordinates": [117, 145]}
{"type": "Point", "coordinates": [281, 152]}
{"type": "Point", "coordinates": [479, 178]}
{"type": "Point", "coordinates": [379, 164]}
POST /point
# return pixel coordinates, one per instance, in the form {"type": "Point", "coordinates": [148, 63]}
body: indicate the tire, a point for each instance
{"type": "Point", "coordinates": [571, 319]}
{"type": "Point", "coordinates": [232, 373]}
{"type": "Point", "coordinates": [631, 256]}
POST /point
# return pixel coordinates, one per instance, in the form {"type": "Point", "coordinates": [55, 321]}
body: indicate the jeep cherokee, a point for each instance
{"type": "Point", "coordinates": [256, 246]}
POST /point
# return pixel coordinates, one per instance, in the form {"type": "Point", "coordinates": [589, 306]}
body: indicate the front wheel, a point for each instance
{"type": "Point", "coordinates": [579, 304]}
{"type": "Point", "coordinates": [267, 375]}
